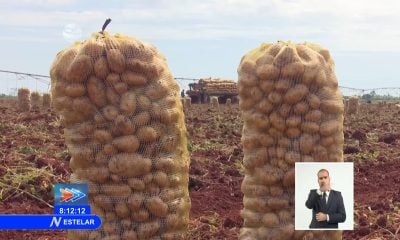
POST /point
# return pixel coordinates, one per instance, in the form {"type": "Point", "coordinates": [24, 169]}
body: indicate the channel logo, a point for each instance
{"type": "Point", "coordinates": [70, 194]}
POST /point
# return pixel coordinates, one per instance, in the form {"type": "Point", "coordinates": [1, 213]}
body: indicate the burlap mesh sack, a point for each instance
{"type": "Point", "coordinates": [352, 105]}
{"type": "Point", "coordinates": [24, 102]}
{"type": "Point", "coordinates": [124, 128]}
{"type": "Point", "coordinates": [35, 100]}
{"type": "Point", "coordinates": [293, 112]}
{"type": "Point", "coordinates": [46, 100]}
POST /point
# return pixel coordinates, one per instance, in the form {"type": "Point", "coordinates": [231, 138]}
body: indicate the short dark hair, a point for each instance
{"type": "Point", "coordinates": [323, 170]}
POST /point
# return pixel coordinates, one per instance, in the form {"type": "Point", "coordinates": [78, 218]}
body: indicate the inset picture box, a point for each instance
{"type": "Point", "coordinates": [324, 196]}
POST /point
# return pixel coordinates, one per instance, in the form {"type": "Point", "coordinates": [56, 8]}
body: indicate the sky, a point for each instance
{"type": "Point", "coordinates": [206, 38]}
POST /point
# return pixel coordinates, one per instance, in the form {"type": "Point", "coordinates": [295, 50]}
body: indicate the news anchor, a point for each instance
{"type": "Point", "coordinates": [326, 204]}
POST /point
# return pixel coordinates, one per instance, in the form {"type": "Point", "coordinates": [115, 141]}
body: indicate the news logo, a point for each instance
{"type": "Point", "coordinates": [70, 194]}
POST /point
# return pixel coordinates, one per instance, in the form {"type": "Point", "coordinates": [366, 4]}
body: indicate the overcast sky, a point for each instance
{"type": "Point", "coordinates": [207, 38]}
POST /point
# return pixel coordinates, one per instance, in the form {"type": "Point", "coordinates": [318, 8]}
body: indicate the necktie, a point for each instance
{"type": "Point", "coordinates": [324, 199]}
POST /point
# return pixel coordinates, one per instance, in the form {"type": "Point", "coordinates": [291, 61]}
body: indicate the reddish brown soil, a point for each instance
{"type": "Point", "coordinates": [372, 143]}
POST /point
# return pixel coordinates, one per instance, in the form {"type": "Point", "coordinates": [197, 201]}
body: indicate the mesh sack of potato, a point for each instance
{"type": "Point", "coordinates": [293, 112]}
{"type": "Point", "coordinates": [24, 102]}
{"type": "Point", "coordinates": [187, 102]}
{"type": "Point", "coordinates": [46, 99]}
{"type": "Point", "coordinates": [228, 102]}
{"type": "Point", "coordinates": [124, 128]}
{"type": "Point", "coordinates": [352, 106]}
{"type": "Point", "coordinates": [214, 102]}
{"type": "Point", "coordinates": [35, 100]}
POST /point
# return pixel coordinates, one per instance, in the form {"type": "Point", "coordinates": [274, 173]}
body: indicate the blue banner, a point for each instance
{"type": "Point", "coordinates": [52, 222]}
{"type": "Point", "coordinates": [71, 210]}
{"type": "Point", "coordinates": [70, 194]}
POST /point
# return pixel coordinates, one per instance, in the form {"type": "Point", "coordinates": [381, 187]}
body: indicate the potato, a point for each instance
{"type": "Point", "coordinates": [133, 79]}
{"type": "Point", "coordinates": [129, 235]}
{"type": "Point", "coordinates": [80, 69]}
{"type": "Point", "coordinates": [128, 103]}
{"type": "Point", "coordinates": [295, 94]}
{"type": "Point", "coordinates": [124, 125]}
{"type": "Point", "coordinates": [112, 96]}
{"type": "Point", "coordinates": [96, 91]}
{"type": "Point", "coordinates": [275, 98]}
{"type": "Point", "coordinates": [129, 165]}
{"type": "Point", "coordinates": [157, 207]}
{"type": "Point", "coordinates": [147, 230]}
{"type": "Point", "coordinates": [116, 190]}
{"type": "Point", "coordinates": [277, 121]}
{"type": "Point", "coordinates": [102, 136]}
{"type": "Point", "coordinates": [136, 184]}
{"type": "Point", "coordinates": [301, 108]}
{"type": "Point", "coordinates": [110, 112]}
{"type": "Point", "coordinates": [270, 220]}
{"type": "Point", "coordinates": [101, 69]}
{"type": "Point", "coordinates": [116, 60]}
{"type": "Point", "coordinates": [161, 179]}
{"type": "Point", "coordinates": [121, 209]}
{"type": "Point", "coordinates": [141, 216]}
{"type": "Point", "coordinates": [126, 143]}
{"type": "Point", "coordinates": [267, 72]}
{"type": "Point", "coordinates": [147, 134]}
{"type": "Point", "coordinates": [329, 127]}
{"type": "Point", "coordinates": [248, 80]}
{"type": "Point", "coordinates": [140, 119]}
{"type": "Point", "coordinates": [75, 90]}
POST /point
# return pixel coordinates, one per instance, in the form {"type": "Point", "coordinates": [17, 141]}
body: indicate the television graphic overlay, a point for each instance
{"type": "Point", "coordinates": [71, 211]}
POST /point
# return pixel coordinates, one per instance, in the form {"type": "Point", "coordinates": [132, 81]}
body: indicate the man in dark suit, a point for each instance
{"type": "Point", "coordinates": [326, 204]}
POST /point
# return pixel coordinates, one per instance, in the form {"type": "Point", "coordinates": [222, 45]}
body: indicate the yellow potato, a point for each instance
{"type": "Point", "coordinates": [143, 102]}
{"type": "Point", "coordinates": [126, 143]}
{"type": "Point", "coordinates": [129, 165]}
{"type": "Point", "coordinates": [140, 215]}
{"type": "Point", "coordinates": [246, 104]}
{"type": "Point", "coordinates": [275, 98]}
{"type": "Point", "coordinates": [161, 179]}
{"type": "Point", "coordinates": [74, 90]}
{"type": "Point", "coordinates": [251, 218]}
{"type": "Point", "coordinates": [291, 157]}
{"type": "Point", "coordinates": [157, 207]}
{"type": "Point", "coordinates": [109, 149]}
{"type": "Point", "coordinates": [255, 204]}
{"type": "Point", "coordinates": [320, 154]}
{"type": "Point", "coordinates": [276, 191]}
{"type": "Point", "coordinates": [133, 79]}
{"type": "Point", "coordinates": [150, 70]}
{"type": "Point", "coordinates": [93, 48]}
{"type": "Point", "coordinates": [277, 121]}
{"type": "Point", "coordinates": [289, 178]}
{"type": "Point", "coordinates": [116, 190]}
{"type": "Point", "coordinates": [267, 176]}
{"type": "Point", "coordinates": [278, 203]}
{"type": "Point", "coordinates": [63, 62]}
{"type": "Point", "coordinates": [332, 106]}
{"type": "Point", "coordinates": [112, 79]}
{"type": "Point", "coordinates": [147, 134]}
{"type": "Point", "coordinates": [136, 184]}
{"type": "Point", "coordinates": [140, 119]}
{"type": "Point", "coordinates": [96, 91]}
{"type": "Point", "coordinates": [102, 136]}
{"type": "Point", "coordinates": [301, 108]}
{"type": "Point", "coordinates": [157, 89]}
{"type": "Point", "coordinates": [121, 210]}
{"type": "Point", "coordinates": [267, 72]}
{"type": "Point", "coordinates": [306, 143]}
{"type": "Point", "coordinates": [313, 101]}
{"type": "Point", "coordinates": [293, 132]}
{"type": "Point", "coordinates": [112, 96]}
{"type": "Point", "coordinates": [321, 79]}
{"type": "Point", "coordinates": [116, 60]}
{"type": "Point", "coordinates": [129, 235]}
{"type": "Point", "coordinates": [166, 164]}
{"type": "Point", "coordinates": [295, 94]}
{"type": "Point", "coordinates": [110, 112]}
{"type": "Point", "coordinates": [101, 69]}
{"type": "Point", "coordinates": [124, 125]}
{"type": "Point", "coordinates": [135, 201]}
{"type": "Point", "coordinates": [267, 86]}
{"type": "Point", "coordinates": [247, 66]}
{"type": "Point", "coordinates": [172, 221]}
{"type": "Point", "coordinates": [310, 127]}
{"type": "Point", "coordinates": [282, 85]}
{"type": "Point", "coordinates": [128, 103]}
{"type": "Point", "coordinates": [266, 140]}
{"type": "Point", "coordinates": [313, 116]}
{"type": "Point", "coordinates": [103, 201]}
{"type": "Point", "coordinates": [270, 220]}
{"type": "Point", "coordinates": [95, 174]}
{"type": "Point", "coordinates": [329, 127]}
{"type": "Point", "coordinates": [148, 229]}
{"type": "Point", "coordinates": [285, 109]}
{"type": "Point", "coordinates": [110, 228]}
{"type": "Point", "coordinates": [79, 69]}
